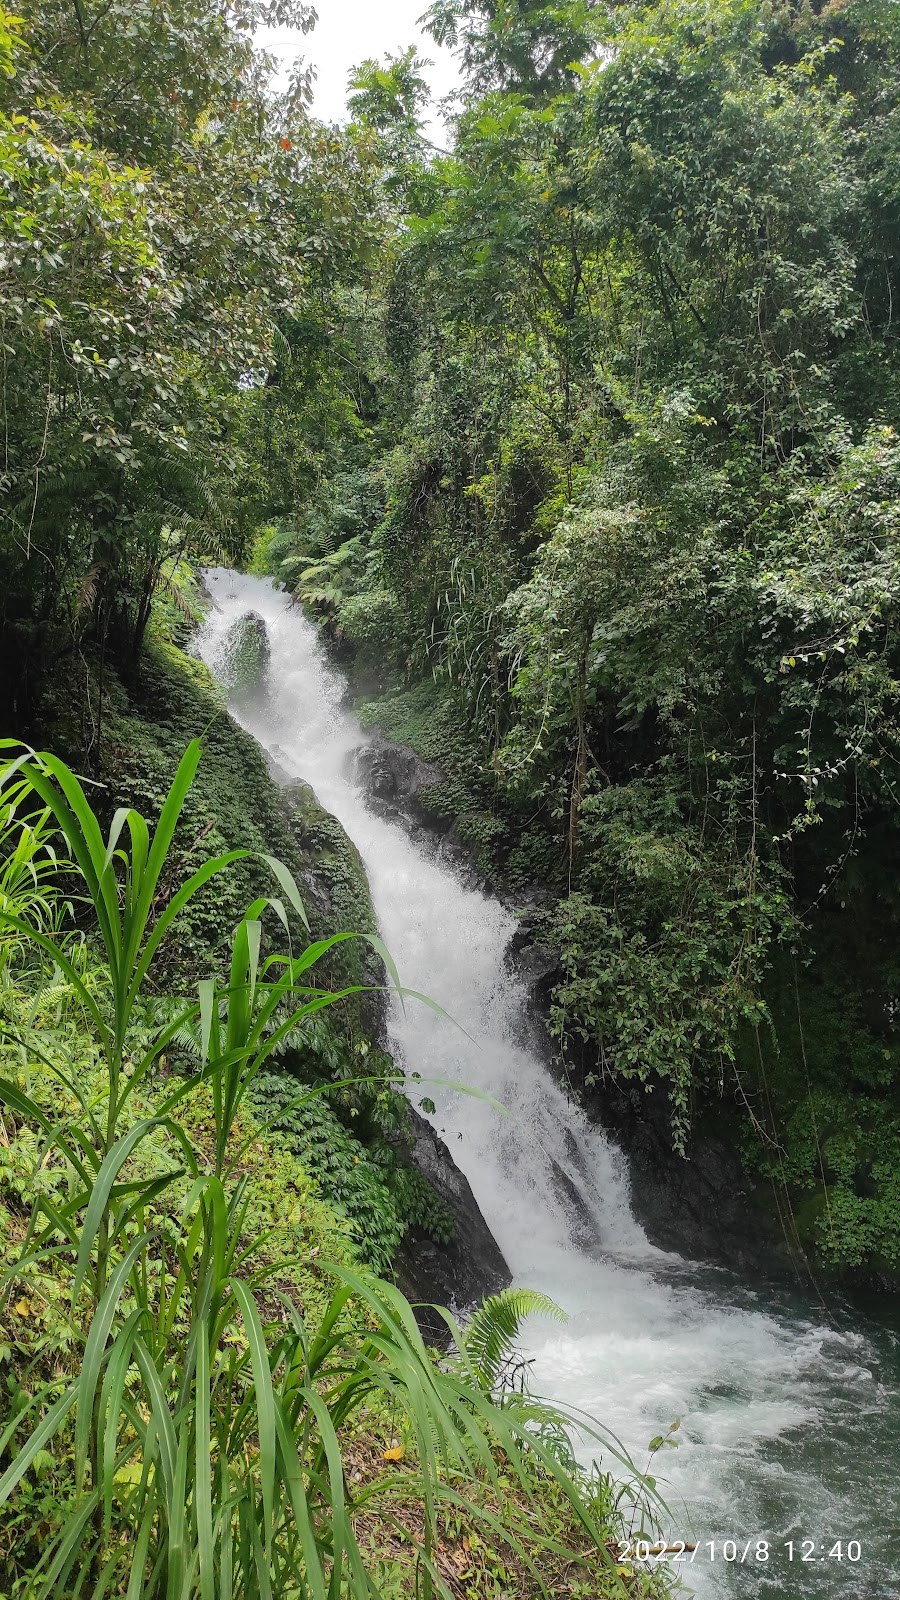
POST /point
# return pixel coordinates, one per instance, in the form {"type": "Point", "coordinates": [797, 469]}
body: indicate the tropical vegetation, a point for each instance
{"type": "Point", "coordinates": [180, 1423]}
{"type": "Point", "coordinates": [578, 437]}
{"type": "Point", "coordinates": [620, 515]}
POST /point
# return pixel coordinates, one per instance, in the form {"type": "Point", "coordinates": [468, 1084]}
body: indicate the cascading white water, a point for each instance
{"type": "Point", "coordinates": [786, 1425]}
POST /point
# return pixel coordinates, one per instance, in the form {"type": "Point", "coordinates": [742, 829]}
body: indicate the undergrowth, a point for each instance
{"type": "Point", "coordinates": [198, 1403]}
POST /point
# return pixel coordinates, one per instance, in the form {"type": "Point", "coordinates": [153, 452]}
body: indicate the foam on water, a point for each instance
{"type": "Point", "coordinates": [788, 1428]}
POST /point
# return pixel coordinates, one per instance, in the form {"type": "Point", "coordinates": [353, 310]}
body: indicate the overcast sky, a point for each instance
{"type": "Point", "coordinates": [347, 32]}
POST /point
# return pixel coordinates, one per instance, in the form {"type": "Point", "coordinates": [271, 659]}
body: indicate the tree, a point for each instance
{"type": "Point", "coordinates": [161, 215]}
{"type": "Point", "coordinates": [532, 50]}
{"type": "Point", "coordinates": [639, 524]}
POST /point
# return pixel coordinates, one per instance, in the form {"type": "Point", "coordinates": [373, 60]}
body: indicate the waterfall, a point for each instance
{"type": "Point", "coordinates": [787, 1425]}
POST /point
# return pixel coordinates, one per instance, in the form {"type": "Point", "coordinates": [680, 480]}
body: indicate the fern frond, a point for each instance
{"type": "Point", "coordinates": [177, 596]}
{"type": "Point", "coordinates": [87, 590]}
{"type": "Point", "coordinates": [489, 1338]}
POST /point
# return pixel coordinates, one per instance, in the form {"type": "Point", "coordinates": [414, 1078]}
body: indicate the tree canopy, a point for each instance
{"type": "Point", "coordinates": [589, 418]}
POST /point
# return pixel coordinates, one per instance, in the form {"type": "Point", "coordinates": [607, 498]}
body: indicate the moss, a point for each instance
{"type": "Point", "coordinates": [332, 855]}
{"type": "Point", "coordinates": [425, 718]}
{"type": "Point", "coordinates": [246, 654]}
{"type": "Point", "coordinates": [148, 720]}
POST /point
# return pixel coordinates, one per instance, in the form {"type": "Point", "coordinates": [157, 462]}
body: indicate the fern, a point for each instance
{"type": "Point", "coordinates": [489, 1337]}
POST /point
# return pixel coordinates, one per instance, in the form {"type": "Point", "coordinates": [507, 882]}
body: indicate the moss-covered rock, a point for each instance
{"type": "Point", "coordinates": [333, 876]}
{"type": "Point", "coordinates": [245, 659]}
{"type": "Point", "coordinates": [427, 765]}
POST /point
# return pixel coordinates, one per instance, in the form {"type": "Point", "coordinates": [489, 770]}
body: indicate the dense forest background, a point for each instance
{"type": "Point", "coordinates": [581, 430]}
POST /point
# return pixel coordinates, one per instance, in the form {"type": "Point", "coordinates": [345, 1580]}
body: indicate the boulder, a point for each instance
{"type": "Point", "coordinates": [458, 1274]}
{"type": "Point", "coordinates": [245, 660]}
{"type": "Point", "coordinates": [396, 781]}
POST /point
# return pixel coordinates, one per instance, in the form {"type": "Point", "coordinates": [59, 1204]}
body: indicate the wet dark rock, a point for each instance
{"type": "Point", "coordinates": [276, 761]}
{"type": "Point", "coordinates": [398, 784]}
{"type": "Point", "coordinates": [527, 956]}
{"type": "Point", "coordinates": [703, 1204]}
{"type": "Point", "coordinates": [381, 780]}
{"type": "Point", "coordinates": [458, 1274]}
{"type": "Point", "coordinates": [535, 963]}
{"type": "Point", "coordinates": [396, 781]}
{"type": "Point", "coordinates": [582, 1227]}
{"type": "Point", "coordinates": [456, 852]}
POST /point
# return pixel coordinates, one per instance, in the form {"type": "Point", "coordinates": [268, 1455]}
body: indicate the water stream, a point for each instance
{"type": "Point", "coordinates": [790, 1414]}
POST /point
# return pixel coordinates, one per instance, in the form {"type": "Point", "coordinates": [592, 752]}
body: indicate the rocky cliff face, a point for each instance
{"type": "Point", "coordinates": [458, 1274]}
{"type": "Point", "coordinates": [396, 782]}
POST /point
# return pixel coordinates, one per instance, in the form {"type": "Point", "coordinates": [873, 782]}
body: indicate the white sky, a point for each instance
{"type": "Point", "coordinates": [347, 32]}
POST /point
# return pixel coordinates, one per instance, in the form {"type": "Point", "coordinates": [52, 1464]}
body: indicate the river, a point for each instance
{"type": "Point", "coordinates": [789, 1413]}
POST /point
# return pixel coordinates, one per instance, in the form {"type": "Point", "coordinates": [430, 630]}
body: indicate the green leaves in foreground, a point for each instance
{"type": "Point", "coordinates": [220, 1455]}
{"type": "Point", "coordinates": [205, 1423]}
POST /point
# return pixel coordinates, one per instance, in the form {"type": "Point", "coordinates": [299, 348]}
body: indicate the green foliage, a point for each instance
{"type": "Point", "coordinates": [633, 435]}
{"type": "Point", "coordinates": [491, 1332]}
{"type": "Point", "coordinates": [30, 870]}
{"type": "Point", "coordinates": [829, 1062]}
{"type": "Point", "coordinates": [517, 45]}
{"type": "Point", "coordinates": [147, 722]}
{"type": "Point", "coordinates": [10, 41]}
{"type": "Point", "coordinates": [196, 1447]}
{"type": "Point", "coordinates": [392, 95]}
{"type": "Point", "coordinates": [187, 1404]}
{"type": "Point", "coordinates": [662, 944]}
{"type": "Point", "coordinates": [162, 208]}
{"type": "Point", "coordinates": [587, 422]}
{"type": "Point", "coordinates": [369, 1185]}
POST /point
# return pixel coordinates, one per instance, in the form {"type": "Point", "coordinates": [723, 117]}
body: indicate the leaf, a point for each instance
{"type": "Point", "coordinates": [100, 1195]}
{"type": "Point", "coordinates": [491, 1333]}
{"type": "Point", "coordinates": [130, 1474]}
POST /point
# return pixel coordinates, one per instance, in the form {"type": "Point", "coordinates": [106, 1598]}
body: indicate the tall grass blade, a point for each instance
{"type": "Point", "coordinates": [264, 1402]}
